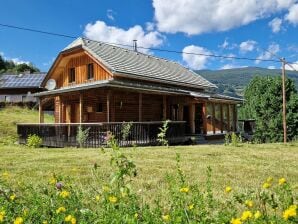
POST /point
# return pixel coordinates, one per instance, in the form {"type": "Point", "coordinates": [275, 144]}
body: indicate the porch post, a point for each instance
{"type": "Point", "coordinates": [81, 108]}
{"type": "Point", "coordinates": [41, 115]}
{"type": "Point", "coordinates": [140, 106]}
{"type": "Point", "coordinates": [229, 124]}
{"type": "Point", "coordinates": [108, 106]}
{"type": "Point", "coordinates": [235, 117]}
{"type": "Point", "coordinates": [164, 107]}
{"type": "Point", "coordinates": [192, 118]}
{"type": "Point", "coordinates": [204, 118]}
{"type": "Point", "coordinates": [213, 117]}
{"type": "Point", "coordinates": [221, 118]}
{"type": "Point", "coordinates": [60, 109]}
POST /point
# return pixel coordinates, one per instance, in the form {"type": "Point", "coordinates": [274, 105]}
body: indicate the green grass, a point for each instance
{"type": "Point", "coordinates": [10, 116]}
{"type": "Point", "coordinates": [241, 167]}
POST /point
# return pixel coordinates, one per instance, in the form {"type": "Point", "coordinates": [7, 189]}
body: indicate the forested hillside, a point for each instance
{"type": "Point", "coordinates": [233, 81]}
{"type": "Point", "coordinates": [8, 66]}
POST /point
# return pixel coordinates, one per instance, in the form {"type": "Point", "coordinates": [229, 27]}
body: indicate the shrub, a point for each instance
{"type": "Point", "coordinates": [125, 130]}
{"type": "Point", "coordinates": [82, 136]}
{"type": "Point", "coordinates": [34, 141]}
{"type": "Point", "coordinates": [162, 135]}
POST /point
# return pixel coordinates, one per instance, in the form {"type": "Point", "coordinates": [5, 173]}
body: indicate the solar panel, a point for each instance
{"type": "Point", "coordinates": [21, 81]}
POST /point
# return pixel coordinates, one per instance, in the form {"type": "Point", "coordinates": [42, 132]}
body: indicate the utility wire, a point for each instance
{"type": "Point", "coordinates": [145, 48]}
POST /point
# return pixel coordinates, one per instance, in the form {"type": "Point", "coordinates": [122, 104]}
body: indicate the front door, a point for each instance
{"type": "Point", "coordinates": [199, 119]}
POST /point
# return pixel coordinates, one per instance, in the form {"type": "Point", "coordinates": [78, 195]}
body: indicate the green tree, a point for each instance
{"type": "Point", "coordinates": [263, 102]}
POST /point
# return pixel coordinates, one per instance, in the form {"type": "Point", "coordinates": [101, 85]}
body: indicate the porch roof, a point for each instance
{"type": "Point", "coordinates": [137, 86]}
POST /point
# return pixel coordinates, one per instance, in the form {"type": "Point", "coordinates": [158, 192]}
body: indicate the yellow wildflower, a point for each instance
{"type": "Point", "coordinates": [12, 197]}
{"type": "Point", "coordinates": [184, 189]}
{"type": "Point", "coordinates": [249, 203]}
{"type": "Point", "coordinates": [269, 180]}
{"type": "Point", "coordinates": [5, 174]}
{"type": "Point", "coordinates": [64, 194]}
{"type": "Point", "coordinates": [166, 218]}
{"type": "Point", "coordinates": [228, 189]}
{"type": "Point", "coordinates": [60, 209]}
{"type": "Point", "coordinates": [113, 199]}
{"type": "Point", "coordinates": [45, 222]}
{"type": "Point", "coordinates": [246, 215]}
{"type": "Point", "coordinates": [266, 185]}
{"type": "Point", "coordinates": [282, 181]}
{"type": "Point", "coordinates": [52, 181]}
{"type": "Point", "coordinates": [136, 215]}
{"type": "Point", "coordinates": [257, 214]}
{"type": "Point", "coordinates": [191, 206]}
{"type": "Point", "coordinates": [97, 197]}
{"type": "Point", "coordinates": [106, 188]}
{"type": "Point", "coordinates": [18, 220]}
{"type": "Point", "coordinates": [70, 219]}
{"type": "Point", "coordinates": [2, 215]}
{"type": "Point", "coordinates": [235, 221]}
{"type": "Point", "coordinates": [290, 212]}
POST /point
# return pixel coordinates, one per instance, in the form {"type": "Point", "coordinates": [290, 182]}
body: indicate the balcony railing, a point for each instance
{"type": "Point", "coordinates": [64, 134]}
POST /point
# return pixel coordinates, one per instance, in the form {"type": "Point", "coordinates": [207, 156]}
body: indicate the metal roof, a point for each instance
{"type": "Point", "coordinates": [9, 81]}
{"type": "Point", "coordinates": [138, 65]}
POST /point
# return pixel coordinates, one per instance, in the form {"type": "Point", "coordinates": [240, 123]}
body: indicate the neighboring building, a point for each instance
{"type": "Point", "coordinates": [97, 82]}
{"type": "Point", "coordinates": [19, 89]}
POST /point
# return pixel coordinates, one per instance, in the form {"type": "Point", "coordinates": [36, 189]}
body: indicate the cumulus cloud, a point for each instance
{"type": "Point", "coordinates": [228, 66]}
{"type": "Point", "coordinates": [196, 17]}
{"type": "Point", "coordinates": [292, 16]}
{"type": "Point", "coordinates": [195, 62]}
{"type": "Point", "coordinates": [15, 60]}
{"type": "Point", "coordinates": [248, 45]}
{"type": "Point", "coordinates": [271, 67]}
{"type": "Point", "coordinates": [102, 32]}
{"type": "Point", "coordinates": [275, 25]}
{"type": "Point", "coordinates": [293, 67]}
{"type": "Point", "coordinates": [272, 49]}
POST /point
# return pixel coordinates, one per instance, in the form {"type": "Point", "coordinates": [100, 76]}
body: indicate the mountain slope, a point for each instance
{"type": "Point", "coordinates": [233, 81]}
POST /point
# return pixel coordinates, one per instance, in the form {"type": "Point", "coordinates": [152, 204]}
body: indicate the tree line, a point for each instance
{"type": "Point", "coordinates": [8, 66]}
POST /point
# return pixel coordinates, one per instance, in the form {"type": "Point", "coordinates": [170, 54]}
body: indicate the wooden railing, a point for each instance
{"type": "Point", "coordinates": [64, 134]}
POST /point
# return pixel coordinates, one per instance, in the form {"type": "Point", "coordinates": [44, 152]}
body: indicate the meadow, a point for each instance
{"type": "Point", "coordinates": [251, 183]}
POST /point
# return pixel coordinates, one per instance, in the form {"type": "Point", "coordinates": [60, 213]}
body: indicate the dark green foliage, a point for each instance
{"type": "Point", "coordinates": [7, 66]}
{"type": "Point", "coordinates": [263, 102]}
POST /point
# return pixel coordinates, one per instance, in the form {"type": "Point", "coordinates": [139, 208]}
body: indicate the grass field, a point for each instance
{"type": "Point", "coordinates": [242, 167]}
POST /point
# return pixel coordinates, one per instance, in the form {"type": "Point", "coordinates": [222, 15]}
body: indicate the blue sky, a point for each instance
{"type": "Point", "coordinates": [226, 27]}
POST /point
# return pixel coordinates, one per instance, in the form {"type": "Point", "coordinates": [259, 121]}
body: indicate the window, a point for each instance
{"type": "Point", "coordinates": [99, 108]}
{"type": "Point", "coordinates": [90, 71]}
{"type": "Point", "coordinates": [72, 75]}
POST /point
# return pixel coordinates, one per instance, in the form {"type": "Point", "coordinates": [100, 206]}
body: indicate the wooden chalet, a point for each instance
{"type": "Point", "coordinates": [100, 86]}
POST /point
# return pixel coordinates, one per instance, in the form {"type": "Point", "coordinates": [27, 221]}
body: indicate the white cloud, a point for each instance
{"type": "Point", "coordinates": [224, 45]}
{"type": "Point", "coordinates": [228, 66]}
{"type": "Point", "coordinates": [248, 45]}
{"type": "Point", "coordinates": [293, 67]}
{"type": "Point", "coordinates": [275, 25]}
{"type": "Point", "coordinates": [111, 14]}
{"type": "Point", "coordinates": [102, 32]}
{"type": "Point", "coordinates": [272, 49]}
{"type": "Point", "coordinates": [292, 16]}
{"type": "Point", "coordinates": [18, 61]}
{"type": "Point", "coordinates": [196, 17]}
{"type": "Point", "coordinates": [271, 67]}
{"type": "Point", "coordinates": [150, 26]}
{"type": "Point", "coordinates": [195, 62]}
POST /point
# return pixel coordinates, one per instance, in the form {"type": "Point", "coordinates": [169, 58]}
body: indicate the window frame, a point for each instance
{"type": "Point", "coordinates": [90, 71]}
{"type": "Point", "coordinates": [72, 75]}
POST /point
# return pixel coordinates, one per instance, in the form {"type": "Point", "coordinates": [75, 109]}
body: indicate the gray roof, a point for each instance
{"type": "Point", "coordinates": [9, 81]}
{"type": "Point", "coordinates": [138, 65]}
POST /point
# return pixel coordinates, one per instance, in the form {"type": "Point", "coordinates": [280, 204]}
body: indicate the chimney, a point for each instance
{"type": "Point", "coordinates": [135, 45]}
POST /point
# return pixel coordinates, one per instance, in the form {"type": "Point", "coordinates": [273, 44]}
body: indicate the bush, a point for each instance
{"type": "Point", "coordinates": [34, 141]}
{"type": "Point", "coordinates": [162, 135]}
{"type": "Point", "coordinates": [82, 136]}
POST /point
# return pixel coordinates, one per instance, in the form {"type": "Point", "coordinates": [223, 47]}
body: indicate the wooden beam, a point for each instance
{"type": "Point", "coordinates": [140, 106]}
{"type": "Point", "coordinates": [229, 124]}
{"type": "Point", "coordinates": [41, 114]}
{"type": "Point", "coordinates": [192, 118]}
{"type": "Point", "coordinates": [213, 117]}
{"type": "Point", "coordinates": [164, 107]}
{"type": "Point", "coordinates": [81, 108]}
{"type": "Point", "coordinates": [204, 116]}
{"type": "Point", "coordinates": [221, 118]}
{"type": "Point", "coordinates": [235, 117]}
{"type": "Point", "coordinates": [108, 105]}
